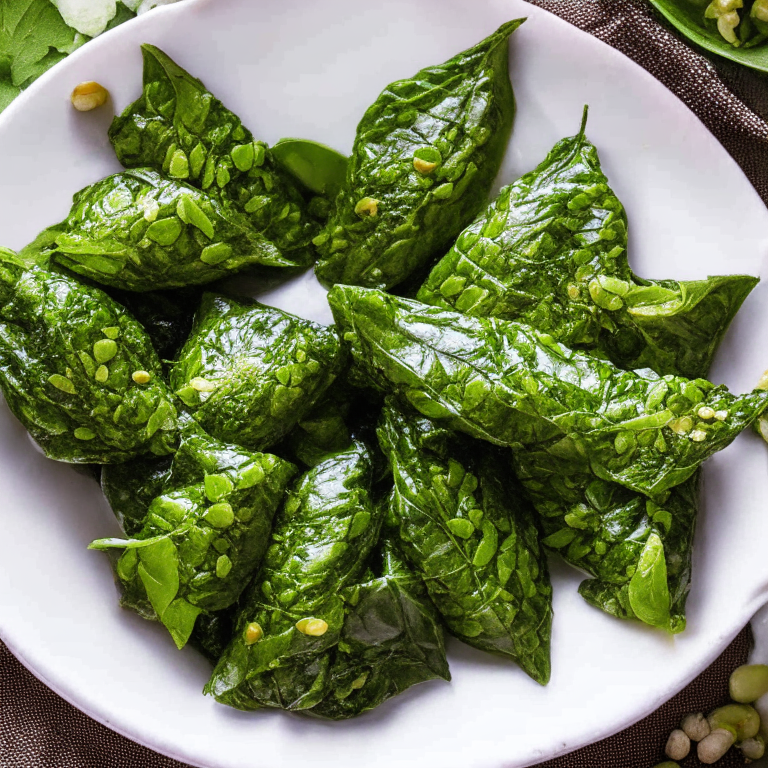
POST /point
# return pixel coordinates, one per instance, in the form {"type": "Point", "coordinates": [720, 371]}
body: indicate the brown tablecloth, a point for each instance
{"type": "Point", "coordinates": [40, 730]}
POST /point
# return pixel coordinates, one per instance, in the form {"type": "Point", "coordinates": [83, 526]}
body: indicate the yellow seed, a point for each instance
{"type": "Point", "coordinates": [682, 425]}
{"type": "Point", "coordinates": [698, 435]}
{"type": "Point", "coordinates": [253, 633]}
{"type": "Point", "coordinates": [151, 208]}
{"type": "Point", "coordinates": [102, 374]}
{"type": "Point", "coordinates": [141, 377]}
{"type": "Point", "coordinates": [423, 166]}
{"type": "Point", "coordinates": [312, 627]}
{"type": "Point", "coordinates": [705, 412]}
{"type": "Point", "coordinates": [367, 207]}
{"type": "Point", "coordinates": [573, 291]}
{"type": "Point", "coordinates": [721, 415]}
{"type": "Point", "coordinates": [88, 96]}
{"type": "Point", "coordinates": [202, 385]}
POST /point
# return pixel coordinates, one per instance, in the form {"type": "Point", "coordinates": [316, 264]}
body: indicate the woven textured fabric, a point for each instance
{"type": "Point", "coordinates": [731, 100]}
{"type": "Point", "coordinates": [38, 729]}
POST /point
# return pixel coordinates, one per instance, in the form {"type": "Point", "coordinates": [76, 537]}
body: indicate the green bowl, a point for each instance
{"type": "Point", "coordinates": [688, 19]}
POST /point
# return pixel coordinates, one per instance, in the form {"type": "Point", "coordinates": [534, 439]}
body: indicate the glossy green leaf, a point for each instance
{"type": "Point", "coordinates": [179, 128]}
{"type": "Point", "coordinates": [399, 209]}
{"type": "Point", "coordinates": [392, 639]}
{"type": "Point", "coordinates": [510, 385]}
{"type": "Point", "coordinates": [248, 373]}
{"type": "Point", "coordinates": [551, 251]}
{"type": "Point", "coordinates": [648, 590]}
{"type": "Point", "coordinates": [310, 560]}
{"type": "Point", "coordinates": [138, 231]}
{"type": "Point", "coordinates": [188, 533]}
{"type": "Point", "coordinates": [159, 573]}
{"type": "Point", "coordinates": [489, 580]}
{"type": "Point", "coordinates": [76, 409]}
{"type": "Point", "coordinates": [688, 18]}
{"type": "Point", "coordinates": [319, 168]}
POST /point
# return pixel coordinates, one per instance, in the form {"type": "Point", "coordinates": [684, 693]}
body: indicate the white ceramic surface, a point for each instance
{"type": "Point", "coordinates": [303, 68]}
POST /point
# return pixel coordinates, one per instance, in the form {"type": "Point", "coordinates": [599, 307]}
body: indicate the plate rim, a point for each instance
{"type": "Point", "coordinates": [41, 672]}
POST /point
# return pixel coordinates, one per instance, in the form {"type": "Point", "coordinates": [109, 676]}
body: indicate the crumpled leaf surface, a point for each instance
{"type": "Point", "coordinates": [323, 534]}
{"type": "Point", "coordinates": [424, 159]}
{"type": "Point", "coordinates": [181, 129]}
{"type": "Point", "coordinates": [67, 357]}
{"type": "Point", "coordinates": [467, 528]}
{"type": "Point", "coordinates": [248, 373]}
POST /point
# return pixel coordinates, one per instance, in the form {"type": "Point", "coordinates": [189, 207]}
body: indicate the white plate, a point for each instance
{"type": "Point", "coordinates": [302, 68]}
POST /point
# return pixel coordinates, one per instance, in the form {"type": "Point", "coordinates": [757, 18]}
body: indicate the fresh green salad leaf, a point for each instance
{"type": "Point", "coordinates": [78, 371]}
{"type": "Point", "coordinates": [551, 251]}
{"type": "Point", "coordinates": [511, 385]}
{"type": "Point", "coordinates": [467, 528]}
{"type": "Point", "coordinates": [181, 129]}
{"type": "Point", "coordinates": [392, 639]}
{"type": "Point", "coordinates": [248, 373]}
{"type": "Point", "coordinates": [293, 613]}
{"type": "Point", "coordinates": [747, 32]}
{"type": "Point", "coordinates": [33, 37]}
{"type": "Point", "coordinates": [204, 536]}
{"type": "Point", "coordinates": [424, 159]}
{"type": "Point", "coordinates": [139, 231]}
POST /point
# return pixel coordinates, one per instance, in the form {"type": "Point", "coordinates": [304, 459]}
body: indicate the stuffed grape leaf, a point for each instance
{"type": "Point", "coordinates": [513, 386]}
{"type": "Point", "coordinates": [248, 373]}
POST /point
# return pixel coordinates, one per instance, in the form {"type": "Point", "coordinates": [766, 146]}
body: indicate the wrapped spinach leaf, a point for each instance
{"type": "Point", "coordinates": [181, 129]}
{"type": "Point", "coordinates": [551, 251]}
{"type": "Point", "coordinates": [392, 639]}
{"type": "Point", "coordinates": [511, 385]}
{"type": "Point", "coordinates": [638, 550]}
{"type": "Point", "coordinates": [423, 162]}
{"type": "Point", "coordinates": [78, 371]}
{"type": "Point", "coordinates": [466, 527]}
{"type": "Point", "coordinates": [139, 231]}
{"type": "Point", "coordinates": [293, 613]}
{"type": "Point", "coordinates": [249, 372]}
{"type": "Point", "coordinates": [204, 536]}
